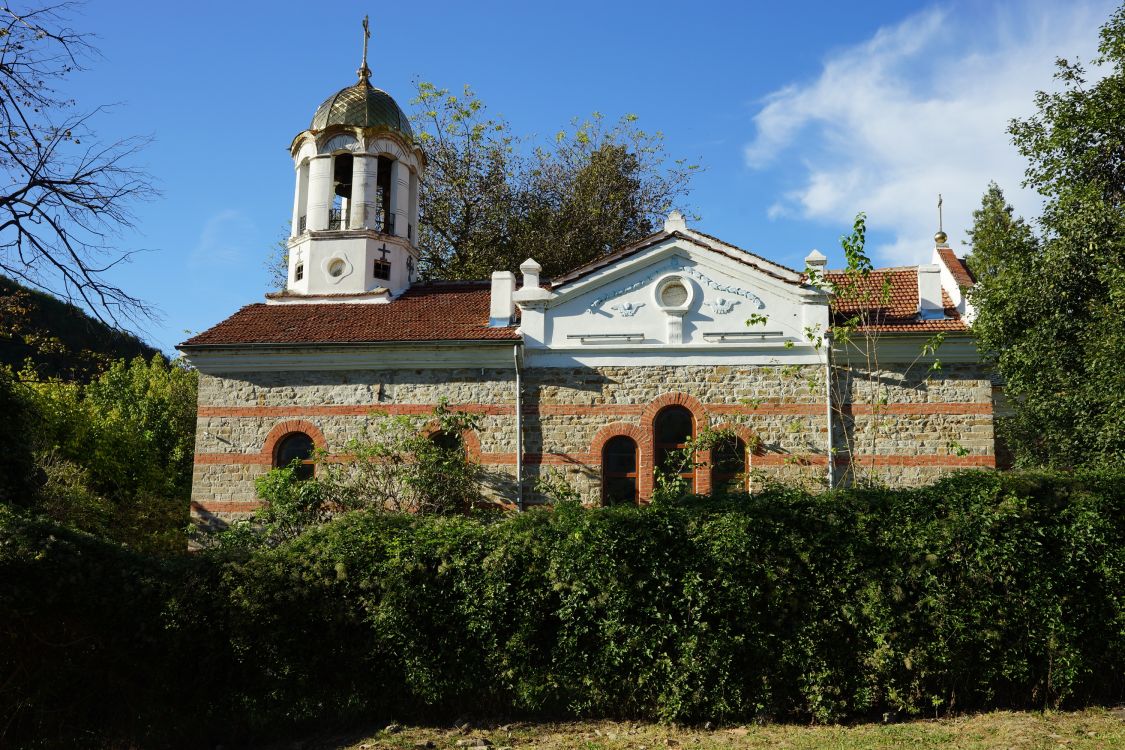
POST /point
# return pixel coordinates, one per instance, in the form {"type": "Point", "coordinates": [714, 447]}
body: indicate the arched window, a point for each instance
{"type": "Point", "coordinates": [619, 471]}
{"type": "Point", "coordinates": [673, 428]}
{"type": "Point", "coordinates": [728, 464]}
{"type": "Point", "coordinates": [448, 441]}
{"type": "Point", "coordinates": [296, 446]}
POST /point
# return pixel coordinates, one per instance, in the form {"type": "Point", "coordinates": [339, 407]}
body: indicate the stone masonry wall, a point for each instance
{"type": "Point", "coordinates": [901, 428]}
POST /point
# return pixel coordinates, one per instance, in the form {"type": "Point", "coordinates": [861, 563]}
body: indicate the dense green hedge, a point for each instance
{"type": "Point", "coordinates": [982, 590]}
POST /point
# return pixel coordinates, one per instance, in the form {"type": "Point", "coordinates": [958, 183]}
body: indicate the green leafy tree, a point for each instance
{"type": "Point", "coordinates": [467, 196]}
{"type": "Point", "coordinates": [116, 454]}
{"type": "Point", "coordinates": [277, 262]}
{"type": "Point", "coordinates": [596, 188]}
{"type": "Point", "coordinates": [1050, 302]}
{"type": "Point", "coordinates": [487, 203]}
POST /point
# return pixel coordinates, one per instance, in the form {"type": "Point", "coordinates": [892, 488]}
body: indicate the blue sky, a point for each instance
{"type": "Point", "coordinates": [802, 113]}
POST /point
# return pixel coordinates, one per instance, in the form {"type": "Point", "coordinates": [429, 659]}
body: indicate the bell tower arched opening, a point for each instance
{"type": "Point", "coordinates": [385, 221]}
{"type": "Point", "coordinates": [342, 166]}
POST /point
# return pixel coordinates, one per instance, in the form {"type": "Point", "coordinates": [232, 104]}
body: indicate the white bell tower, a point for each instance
{"type": "Point", "coordinates": [355, 204]}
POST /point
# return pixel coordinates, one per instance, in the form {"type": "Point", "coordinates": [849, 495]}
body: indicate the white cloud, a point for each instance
{"type": "Point", "coordinates": [226, 240]}
{"type": "Point", "coordinates": [920, 108]}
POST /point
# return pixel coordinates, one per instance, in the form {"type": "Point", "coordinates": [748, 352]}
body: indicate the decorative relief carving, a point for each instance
{"type": "Point", "coordinates": [722, 306]}
{"type": "Point", "coordinates": [677, 264]}
{"type": "Point", "coordinates": [627, 309]}
{"type": "Point", "coordinates": [720, 287]}
{"type": "Point", "coordinates": [596, 303]}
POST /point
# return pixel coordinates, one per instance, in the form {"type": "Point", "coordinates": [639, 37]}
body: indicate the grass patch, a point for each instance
{"type": "Point", "coordinates": [1092, 729]}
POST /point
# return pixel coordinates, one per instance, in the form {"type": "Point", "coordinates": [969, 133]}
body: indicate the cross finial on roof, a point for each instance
{"type": "Point", "coordinates": [940, 238]}
{"type": "Point", "coordinates": [364, 72]}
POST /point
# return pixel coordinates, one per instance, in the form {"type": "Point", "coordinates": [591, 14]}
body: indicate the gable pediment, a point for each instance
{"type": "Point", "coordinates": [680, 290]}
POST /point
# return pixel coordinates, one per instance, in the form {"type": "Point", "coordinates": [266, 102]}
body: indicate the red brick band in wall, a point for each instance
{"type": "Point", "coordinates": [765, 408]}
{"type": "Point", "coordinates": [347, 410]}
{"type": "Point", "coordinates": [594, 459]}
{"type": "Point", "coordinates": [226, 506]}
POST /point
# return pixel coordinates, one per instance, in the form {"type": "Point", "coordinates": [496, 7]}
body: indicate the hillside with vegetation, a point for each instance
{"type": "Point", "coordinates": [58, 339]}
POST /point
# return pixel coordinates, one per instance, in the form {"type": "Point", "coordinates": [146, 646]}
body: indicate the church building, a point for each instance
{"type": "Point", "coordinates": [591, 376]}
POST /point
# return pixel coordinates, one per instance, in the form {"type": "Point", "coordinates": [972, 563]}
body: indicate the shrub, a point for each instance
{"type": "Point", "coordinates": [983, 590]}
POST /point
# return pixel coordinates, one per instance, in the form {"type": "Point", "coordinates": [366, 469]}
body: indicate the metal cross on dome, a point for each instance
{"type": "Point", "coordinates": [364, 72]}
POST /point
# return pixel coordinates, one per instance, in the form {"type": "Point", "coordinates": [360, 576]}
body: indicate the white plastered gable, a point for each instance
{"type": "Point", "coordinates": [684, 298]}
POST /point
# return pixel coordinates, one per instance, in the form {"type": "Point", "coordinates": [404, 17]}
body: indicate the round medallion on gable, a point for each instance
{"type": "Point", "coordinates": [673, 293]}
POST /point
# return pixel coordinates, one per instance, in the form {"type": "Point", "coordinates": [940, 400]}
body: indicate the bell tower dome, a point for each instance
{"type": "Point", "coordinates": [355, 204]}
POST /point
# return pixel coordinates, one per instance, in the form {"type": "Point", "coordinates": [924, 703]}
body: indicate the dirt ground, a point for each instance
{"type": "Point", "coordinates": [1089, 729]}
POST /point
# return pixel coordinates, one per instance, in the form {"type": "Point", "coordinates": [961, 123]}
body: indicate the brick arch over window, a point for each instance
{"type": "Point", "coordinates": [288, 427]}
{"type": "Point", "coordinates": [691, 403]}
{"type": "Point", "coordinates": [748, 436]}
{"type": "Point", "coordinates": [701, 419]}
{"type": "Point", "coordinates": [643, 440]}
{"type": "Point", "coordinates": [469, 439]}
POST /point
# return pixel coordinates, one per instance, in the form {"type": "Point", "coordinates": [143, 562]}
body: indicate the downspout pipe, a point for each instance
{"type": "Point", "coordinates": [519, 429]}
{"type": "Point", "coordinates": [828, 405]}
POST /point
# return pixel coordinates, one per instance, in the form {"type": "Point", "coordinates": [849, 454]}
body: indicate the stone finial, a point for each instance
{"type": "Point", "coordinates": [675, 222]}
{"type": "Point", "coordinates": [816, 260]}
{"type": "Point", "coordinates": [530, 292]}
{"type": "Point", "coordinates": [530, 270]}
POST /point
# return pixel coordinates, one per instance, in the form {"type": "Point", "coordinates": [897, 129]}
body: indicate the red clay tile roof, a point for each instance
{"type": "Point", "coordinates": [957, 266]}
{"type": "Point", "coordinates": [891, 297]}
{"type": "Point", "coordinates": [742, 256]}
{"type": "Point", "coordinates": [456, 311]}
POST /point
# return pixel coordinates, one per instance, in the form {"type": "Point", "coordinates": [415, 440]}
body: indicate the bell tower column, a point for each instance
{"type": "Point", "coordinates": [400, 200]}
{"type": "Point", "coordinates": [296, 226]}
{"type": "Point", "coordinates": [320, 192]}
{"type": "Point", "coordinates": [363, 191]}
{"type": "Point", "coordinates": [412, 235]}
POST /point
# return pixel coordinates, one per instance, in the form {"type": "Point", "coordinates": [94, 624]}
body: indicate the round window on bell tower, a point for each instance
{"type": "Point", "coordinates": [336, 268]}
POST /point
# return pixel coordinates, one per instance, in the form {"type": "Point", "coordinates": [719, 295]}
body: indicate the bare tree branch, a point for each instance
{"type": "Point", "coordinates": [65, 197]}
